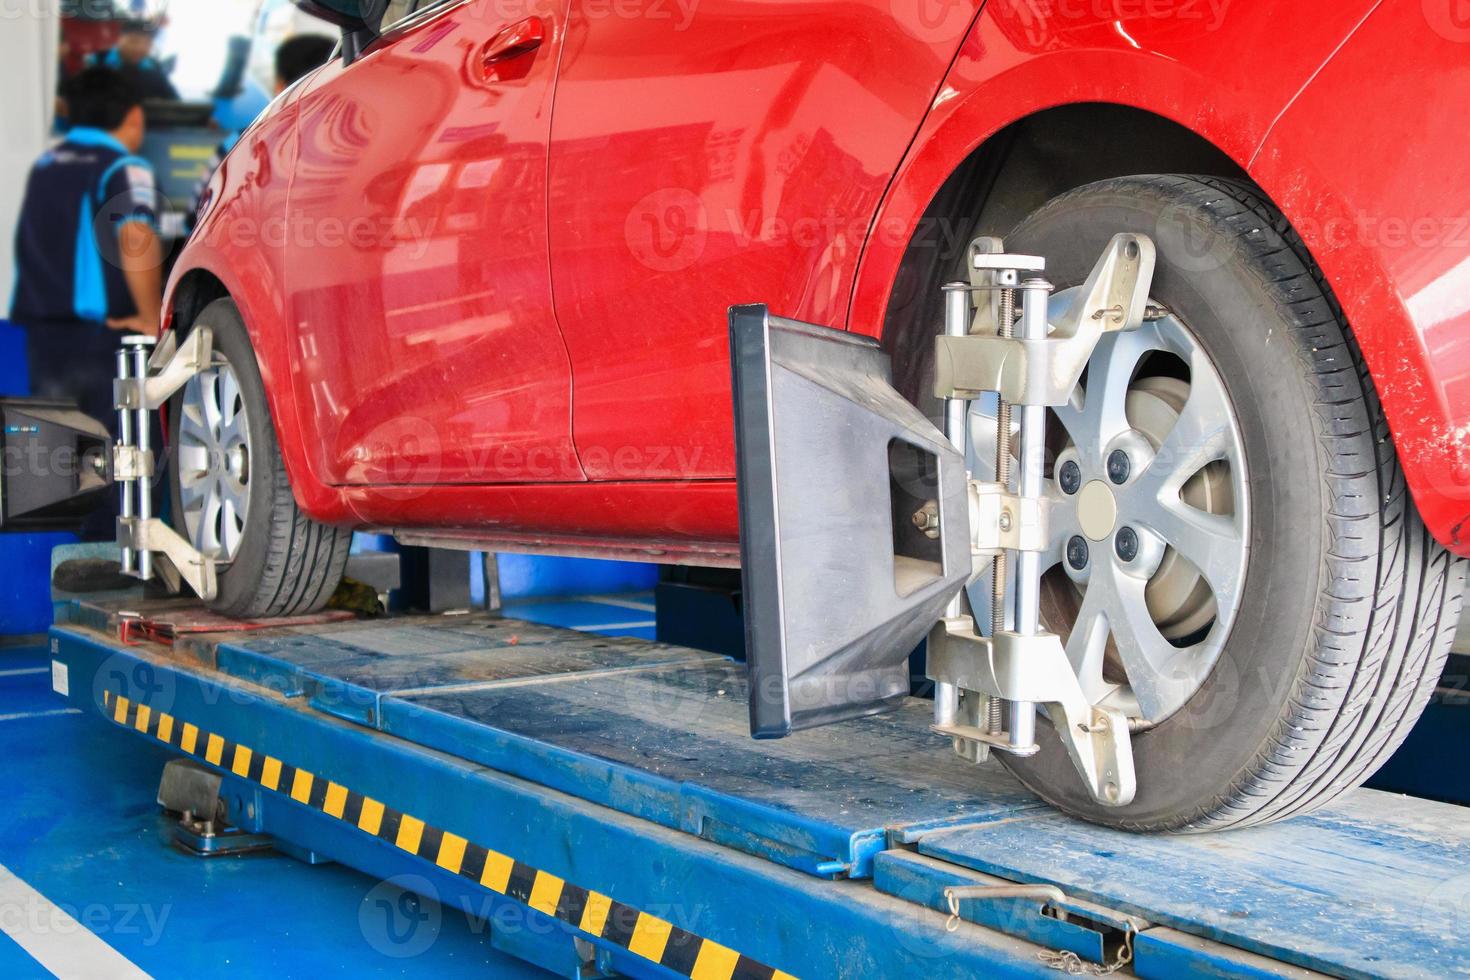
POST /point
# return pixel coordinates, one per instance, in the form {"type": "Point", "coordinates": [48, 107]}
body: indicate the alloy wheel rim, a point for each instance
{"type": "Point", "coordinates": [1143, 632]}
{"type": "Point", "coordinates": [215, 458]}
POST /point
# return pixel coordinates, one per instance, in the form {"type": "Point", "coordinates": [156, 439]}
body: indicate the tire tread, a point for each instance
{"type": "Point", "coordinates": [304, 559]}
{"type": "Point", "coordinates": [1390, 601]}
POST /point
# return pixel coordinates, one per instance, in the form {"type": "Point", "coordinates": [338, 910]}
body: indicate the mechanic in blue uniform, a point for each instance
{"type": "Point", "coordinates": [89, 265]}
{"type": "Point", "coordinates": [133, 57]}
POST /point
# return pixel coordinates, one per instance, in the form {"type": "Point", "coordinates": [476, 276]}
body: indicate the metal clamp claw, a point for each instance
{"type": "Point", "coordinates": [1045, 370]}
{"type": "Point", "coordinates": [144, 384]}
{"type": "Point", "coordinates": [1004, 521]}
{"type": "Point", "coordinates": [1035, 669]}
{"type": "Point", "coordinates": [170, 367]}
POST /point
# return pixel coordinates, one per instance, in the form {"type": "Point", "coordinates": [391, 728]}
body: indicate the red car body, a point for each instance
{"type": "Point", "coordinates": [488, 295]}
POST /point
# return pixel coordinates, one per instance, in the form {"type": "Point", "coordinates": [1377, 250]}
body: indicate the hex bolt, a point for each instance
{"type": "Point", "coordinates": [1125, 542]}
{"type": "Point", "coordinates": [1118, 466]}
{"type": "Point", "coordinates": [1077, 552]}
{"type": "Point", "coordinates": [926, 519]}
{"type": "Point", "coordinates": [1070, 477]}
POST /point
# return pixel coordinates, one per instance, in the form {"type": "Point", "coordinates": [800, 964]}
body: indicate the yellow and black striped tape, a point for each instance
{"type": "Point", "coordinates": [591, 912]}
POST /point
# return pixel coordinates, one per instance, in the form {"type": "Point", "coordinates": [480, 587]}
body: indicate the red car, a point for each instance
{"type": "Point", "coordinates": [470, 285]}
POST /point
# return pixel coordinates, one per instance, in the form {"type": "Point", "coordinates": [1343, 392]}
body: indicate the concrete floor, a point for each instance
{"type": "Point", "coordinates": [89, 888]}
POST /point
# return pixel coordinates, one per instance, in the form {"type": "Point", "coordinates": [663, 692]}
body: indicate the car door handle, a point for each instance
{"type": "Point", "coordinates": [519, 38]}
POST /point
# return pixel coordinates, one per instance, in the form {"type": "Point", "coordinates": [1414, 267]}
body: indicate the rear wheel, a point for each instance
{"type": "Point", "coordinates": [230, 495]}
{"type": "Point", "coordinates": [1239, 567]}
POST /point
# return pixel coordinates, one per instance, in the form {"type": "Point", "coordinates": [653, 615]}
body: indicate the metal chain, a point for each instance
{"type": "Point", "coordinates": [1073, 965]}
{"type": "Point", "coordinates": [1064, 960]}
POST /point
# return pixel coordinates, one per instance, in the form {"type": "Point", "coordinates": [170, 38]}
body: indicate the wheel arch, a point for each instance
{"type": "Point", "coordinates": [1260, 113]}
{"type": "Point", "coordinates": [195, 284]}
{"type": "Point", "coordinates": [994, 184]}
{"type": "Point", "coordinates": [195, 290]}
{"type": "Point", "coordinates": [1012, 173]}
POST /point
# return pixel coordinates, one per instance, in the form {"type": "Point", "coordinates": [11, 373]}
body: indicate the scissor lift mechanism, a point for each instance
{"type": "Point", "coordinates": [598, 802]}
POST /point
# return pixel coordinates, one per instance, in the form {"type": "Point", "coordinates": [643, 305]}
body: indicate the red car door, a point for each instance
{"type": "Point", "coordinates": [712, 152]}
{"type": "Point", "coordinates": [418, 284]}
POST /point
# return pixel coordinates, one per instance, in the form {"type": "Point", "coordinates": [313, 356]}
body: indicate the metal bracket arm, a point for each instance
{"type": "Point", "coordinates": [982, 257]}
{"type": "Point", "coordinates": [1045, 370]}
{"type": "Point", "coordinates": [146, 379]}
{"type": "Point", "coordinates": [153, 535]}
{"type": "Point", "coordinates": [1004, 521]}
{"type": "Point", "coordinates": [182, 363]}
{"type": "Point", "coordinates": [132, 463]}
{"type": "Point", "coordinates": [1035, 668]}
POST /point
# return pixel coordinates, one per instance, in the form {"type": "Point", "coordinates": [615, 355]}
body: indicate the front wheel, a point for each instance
{"type": "Point", "coordinates": [230, 494]}
{"type": "Point", "coordinates": [1238, 564]}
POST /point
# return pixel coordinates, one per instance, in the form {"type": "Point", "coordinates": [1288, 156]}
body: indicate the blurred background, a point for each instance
{"type": "Point", "coordinates": [204, 69]}
{"type": "Point", "coordinates": [218, 55]}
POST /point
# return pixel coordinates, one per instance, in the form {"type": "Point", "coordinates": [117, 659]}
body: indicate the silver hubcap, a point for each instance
{"type": "Point", "coordinates": [214, 461]}
{"type": "Point", "coordinates": [1164, 549]}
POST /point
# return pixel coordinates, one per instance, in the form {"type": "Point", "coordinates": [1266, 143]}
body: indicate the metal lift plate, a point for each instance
{"type": "Point", "coordinates": [653, 730]}
{"type": "Point", "coordinates": [672, 746]}
{"type": "Point", "coordinates": [1374, 885]}
{"type": "Point", "coordinates": [347, 670]}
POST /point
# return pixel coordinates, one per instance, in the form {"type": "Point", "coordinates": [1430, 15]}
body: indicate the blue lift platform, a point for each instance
{"type": "Point", "coordinates": [600, 802]}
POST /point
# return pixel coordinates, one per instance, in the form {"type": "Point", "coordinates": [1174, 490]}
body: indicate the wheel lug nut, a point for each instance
{"type": "Point", "coordinates": [1070, 477]}
{"type": "Point", "coordinates": [1118, 466]}
{"type": "Point", "coordinates": [1125, 542]}
{"type": "Point", "coordinates": [1077, 552]}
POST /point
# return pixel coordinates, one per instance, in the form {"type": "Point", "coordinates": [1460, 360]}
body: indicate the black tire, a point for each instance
{"type": "Point", "coordinates": [1349, 607]}
{"type": "Point", "coordinates": [287, 564]}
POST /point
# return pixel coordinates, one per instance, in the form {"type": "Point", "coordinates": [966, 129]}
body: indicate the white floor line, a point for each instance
{"type": "Point", "coordinates": [53, 938]}
{"type": "Point", "coordinates": [614, 626]}
{"type": "Point", "coordinates": [17, 716]}
{"type": "Point", "coordinates": [607, 600]}
{"type": "Point", "coordinates": [24, 672]}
